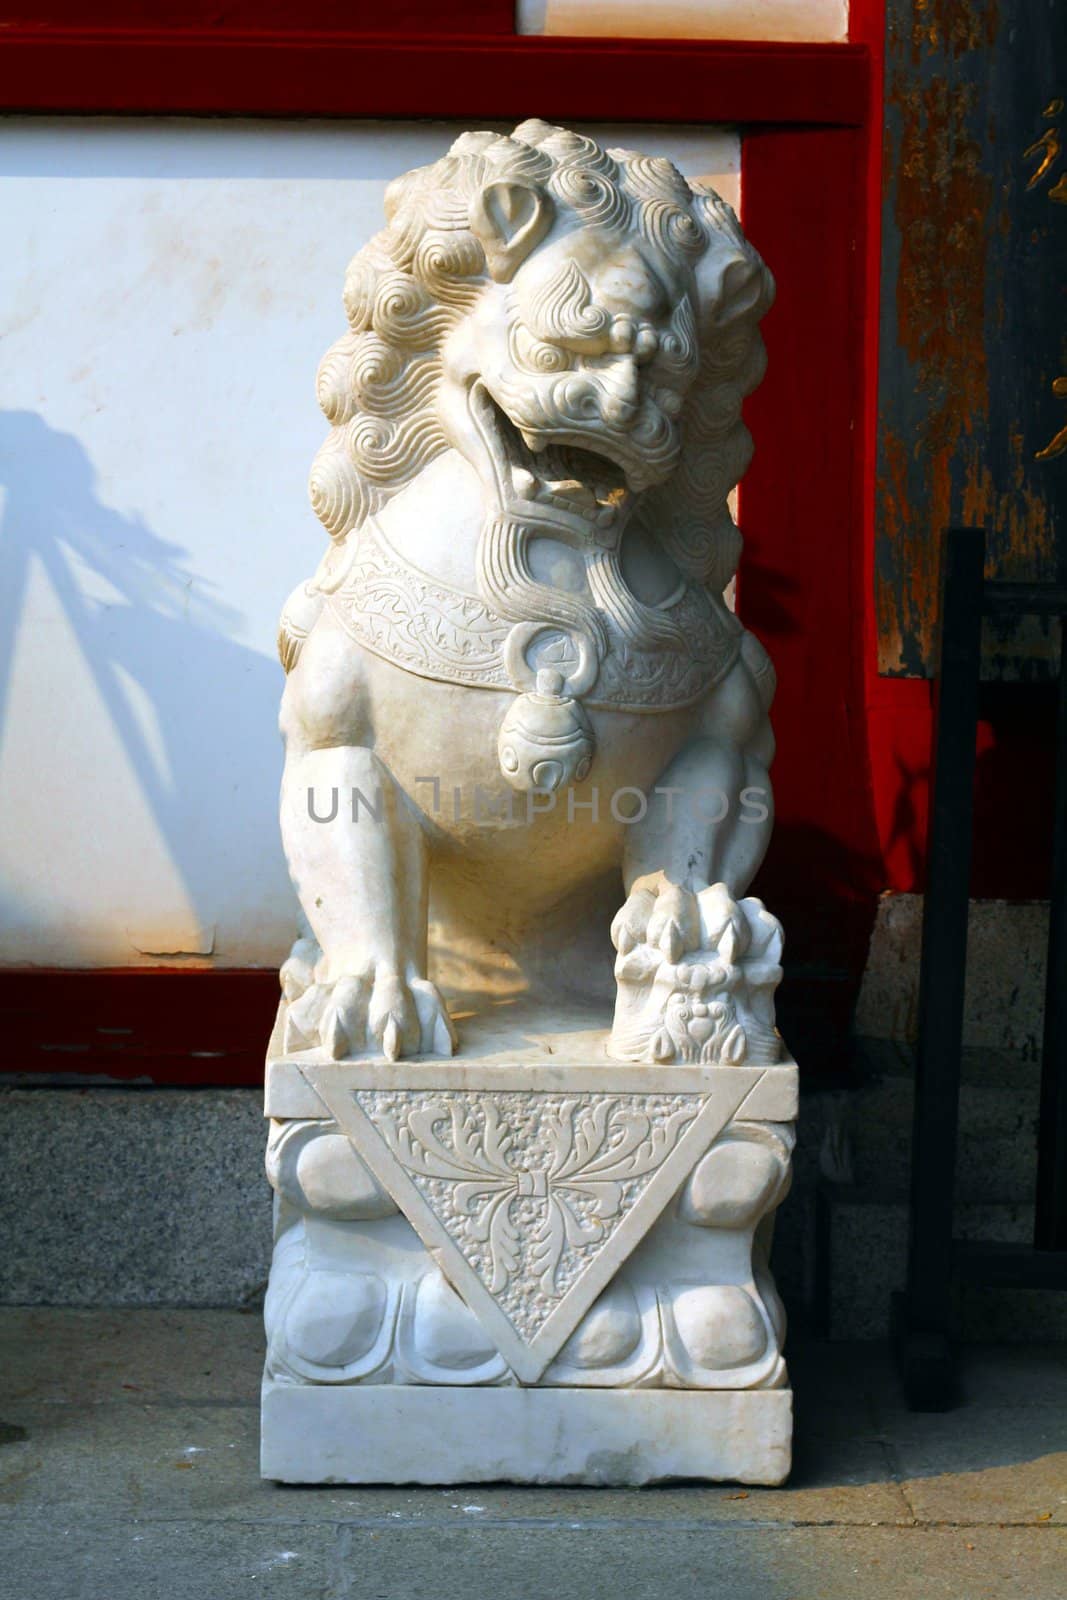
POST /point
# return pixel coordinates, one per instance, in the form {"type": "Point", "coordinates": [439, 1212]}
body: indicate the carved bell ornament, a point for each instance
{"type": "Point", "coordinates": [546, 741]}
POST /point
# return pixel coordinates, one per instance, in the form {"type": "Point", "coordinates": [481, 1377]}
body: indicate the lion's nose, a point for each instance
{"type": "Point", "coordinates": [628, 338]}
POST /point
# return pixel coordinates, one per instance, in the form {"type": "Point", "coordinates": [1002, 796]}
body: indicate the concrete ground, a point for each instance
{"type": "Point", "coordinates": [128, 1471]}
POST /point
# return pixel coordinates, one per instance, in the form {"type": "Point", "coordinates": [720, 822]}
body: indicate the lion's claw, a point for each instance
{"type": "Point", "coordinates": [333, 1035]}
{"type": "Point", "coordinates": [670, 939]}
{"type": "Point", "coordinates": [659, 913]}
{"type": "Point", "coordinates": [674, 925]}
{"type": "Point", "coordinates": [392, 1019]}
{"type": "Point", "coordinates": [304, 1016]}
{"type": "Point", "coordinates": [630, 925]}
{"type": "Point", "coordinates": [435, 1024]}
{"type": "Point", "coordinates": [358, 1015]}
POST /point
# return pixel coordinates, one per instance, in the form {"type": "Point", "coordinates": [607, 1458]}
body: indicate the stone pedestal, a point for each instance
{"type": "Point", "coordinates": [535, 1264]}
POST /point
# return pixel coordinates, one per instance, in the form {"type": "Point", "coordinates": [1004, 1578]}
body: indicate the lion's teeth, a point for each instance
{"type": "Point", "coordinates": [532, 441]}
{"type": "Point", "coordinates": [525, 484]}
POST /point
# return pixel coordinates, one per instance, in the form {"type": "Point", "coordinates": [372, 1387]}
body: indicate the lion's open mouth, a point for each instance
{"type": "Point", "coordinates": [550, 472]}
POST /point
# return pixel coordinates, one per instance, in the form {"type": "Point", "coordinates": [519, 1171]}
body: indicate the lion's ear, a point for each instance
{"type": "Point", "coordinates": [509, 219]}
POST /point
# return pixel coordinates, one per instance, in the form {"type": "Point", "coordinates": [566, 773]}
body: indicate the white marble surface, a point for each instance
{"type": "Point", "coordinates": [564, 1436]}
{"type": "Point", "coordinates": [527, 1216]}
{"type": "Point", "coordinates": [595, 1167]}
{"type": "Point", "coordinates": [524, 1043]}
{"type": "Point", "coordinates": [512, 680]}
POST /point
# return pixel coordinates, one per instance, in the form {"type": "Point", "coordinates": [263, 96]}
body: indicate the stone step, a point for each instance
{"type": "Point", "coordinates": [134, 1197]}
{"type": "Point", "coordinates": [158, 1197]}
{"type": "Point", "coordinates": [1005, 992]}
{"type": "Point", "coordinates": [997, 1147]}
{"type": "Point", "coordinates": [841, 1241]}
{"type": "Point", "coordinates": [859, 1245]}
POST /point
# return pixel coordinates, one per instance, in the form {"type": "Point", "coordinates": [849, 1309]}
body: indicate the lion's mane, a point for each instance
{"type": "Point", "coordinates": [409, 287]}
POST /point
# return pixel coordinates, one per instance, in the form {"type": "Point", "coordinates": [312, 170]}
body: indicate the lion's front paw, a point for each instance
{"type": "Point", "coordinates": [370, 1012]}
{"type": "Point", "coordinates": [695, 994]}
{"type": "Point", "coordinates": [659, 913]}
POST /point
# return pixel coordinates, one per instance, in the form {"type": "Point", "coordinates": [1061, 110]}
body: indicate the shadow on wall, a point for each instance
{"type": "Point", "coordinates": [1013, 797]}
{"type": "Point", "coordinates": [193, 709]}
{"type": "Point", "coordinates": [824, 891]}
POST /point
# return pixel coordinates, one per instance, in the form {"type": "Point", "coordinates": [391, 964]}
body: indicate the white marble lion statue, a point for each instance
{"type": "Point", "coordinates": [514, 672]}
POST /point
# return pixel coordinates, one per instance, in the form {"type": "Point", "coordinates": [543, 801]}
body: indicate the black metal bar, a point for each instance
{"type": "Point", "coordinates": [923, 1344]}
{"type": "Point", "coordinates": [1050, 1220]}
{"type": "Point", "coordinates": [1010, 1266]}
{"type": "Point", "coordinates": [935, 1258]}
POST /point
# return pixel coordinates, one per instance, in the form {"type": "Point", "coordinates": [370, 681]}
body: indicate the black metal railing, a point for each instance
{"type": "Point", "coordinates": [937, 1260]}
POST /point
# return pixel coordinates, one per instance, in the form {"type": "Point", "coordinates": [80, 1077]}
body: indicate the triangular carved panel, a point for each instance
{"type": "Point", "coordinates": [530, 1199]}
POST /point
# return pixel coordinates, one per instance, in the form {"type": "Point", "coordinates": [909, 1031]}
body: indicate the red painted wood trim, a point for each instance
{"type": "Point", "coordinates": [262, 16]}
{"type": "Point", "coordinates": [242, 73]}
{"type": "Point", "coordinates": [804, 501]}
{"type": "Point", "coordinates": [802, 586]}
{"type": "Point", "coordinates": [157, 1025]}
{"type": "Point", "coordinates": [196, 1028]}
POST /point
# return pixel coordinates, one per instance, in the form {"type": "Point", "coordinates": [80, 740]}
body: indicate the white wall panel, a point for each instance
{"type": "Point", "coordinates": [687, 19]}
{"type": "Point", "coordinates": [166, 290]}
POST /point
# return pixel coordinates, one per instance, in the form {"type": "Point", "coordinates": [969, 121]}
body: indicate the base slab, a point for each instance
{"type": "Point", "coordinates": [388, 1433]}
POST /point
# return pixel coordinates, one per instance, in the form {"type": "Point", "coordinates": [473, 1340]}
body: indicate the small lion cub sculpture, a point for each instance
{"type": "Point", "coordinates": [514, 670]}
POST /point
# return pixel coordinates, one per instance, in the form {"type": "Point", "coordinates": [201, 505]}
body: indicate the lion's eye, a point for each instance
{"type": "Point", "coordinates": [537, 356]}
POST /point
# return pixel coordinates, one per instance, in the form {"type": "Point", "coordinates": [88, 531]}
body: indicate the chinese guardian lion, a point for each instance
{"type": "Point", "coordinates": [515, 669]}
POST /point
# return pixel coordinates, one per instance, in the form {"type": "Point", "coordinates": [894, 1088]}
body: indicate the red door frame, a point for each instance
{"type": "Point", "coordinates": [809, 185]}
